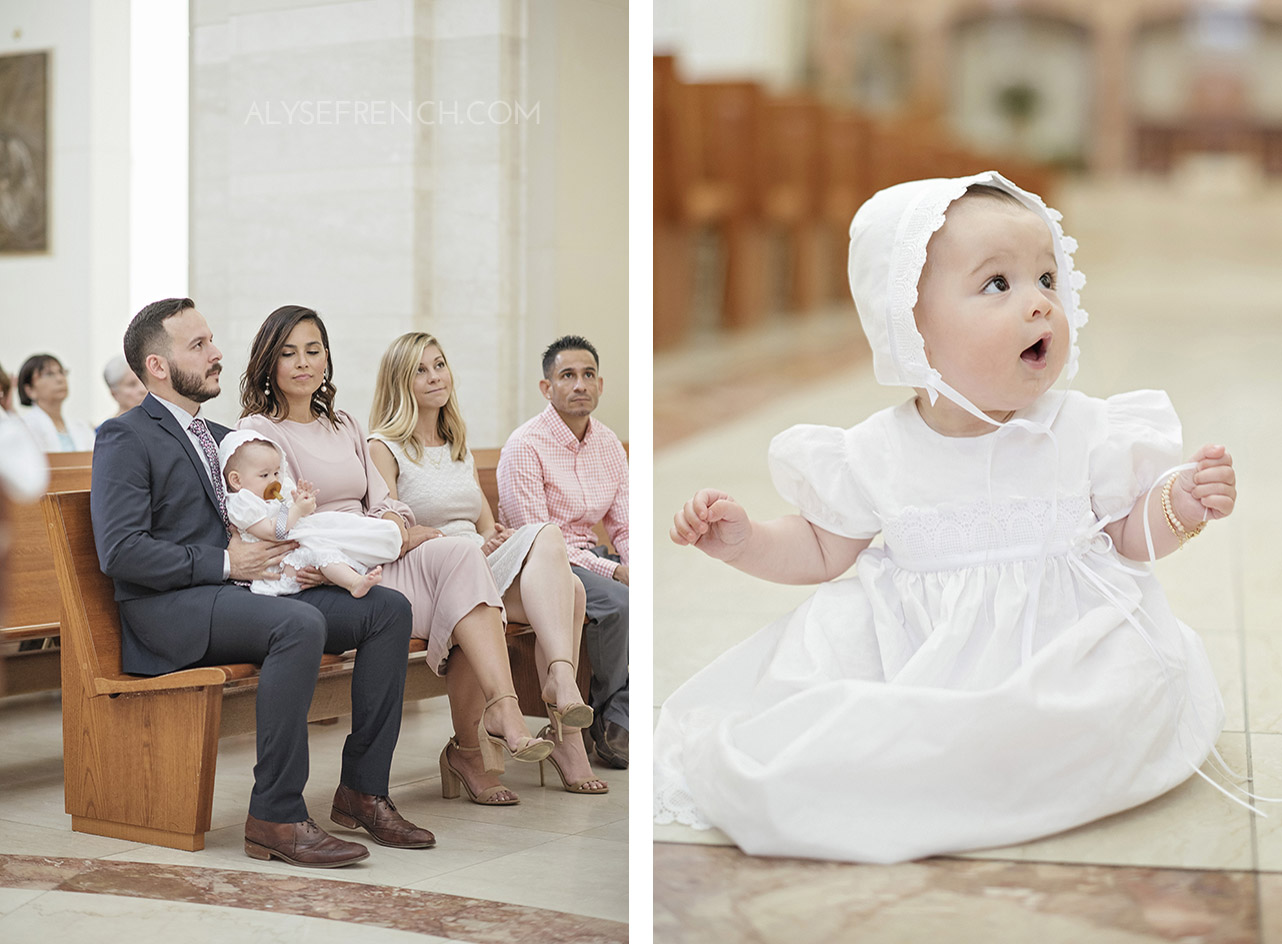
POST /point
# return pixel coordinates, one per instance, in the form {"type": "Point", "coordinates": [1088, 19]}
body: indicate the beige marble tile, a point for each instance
{"type": "Point", "coordinates": [301, 894]}
{"type": "Point", "coordinates": [71, 916]}
{"type": "Point", "coordinates": [719, 894]}
{"type": "Point", "coordinates": [19, 838]}
{"type": "Point", "coordinates": [460, 844]}
{"type": "Point", "coordinates": [618, 831]}
{"type": "Point", "coordinates": [1266, 771]}
{"type": "Point", "coordinates": [1270, 909]}
{"type": "Point", "coordinates": [1264, 681]}
{"type": "Point", "coordinates": [1224, 649]}
{"type": "Point", "coordinates": [11, 899]}
{"type": "Point", "coordinates": [571, 873]}
{"type": "Point", "coordinates": [1193, 826]}
{"type": "Point", "coordinates": [675, 832]}
{"type": "Point", "coordinates": [549, 808]}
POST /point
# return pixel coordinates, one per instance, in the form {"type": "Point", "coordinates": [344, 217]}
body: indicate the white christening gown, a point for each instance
{"type": "Point", "coordinates": [995, 673]}
{"type": "Point", "coordinates": [324, 537]}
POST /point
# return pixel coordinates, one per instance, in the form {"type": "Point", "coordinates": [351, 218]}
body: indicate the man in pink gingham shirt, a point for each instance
{"type": "Point", "coordinates": [567, 468]}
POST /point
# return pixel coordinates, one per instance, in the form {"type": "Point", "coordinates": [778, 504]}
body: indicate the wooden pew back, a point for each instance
{"type": "Point", "coordinates": [32, 609]}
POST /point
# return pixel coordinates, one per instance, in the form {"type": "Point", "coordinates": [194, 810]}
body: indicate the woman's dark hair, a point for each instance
{"type": "Point", "coordinates": [33, 365]}
{"type": "Point", "coordinates": [258, 393]}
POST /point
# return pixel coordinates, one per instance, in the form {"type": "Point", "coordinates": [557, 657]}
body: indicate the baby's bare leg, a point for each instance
{"type": "Point", "coordinates": [341, 575]}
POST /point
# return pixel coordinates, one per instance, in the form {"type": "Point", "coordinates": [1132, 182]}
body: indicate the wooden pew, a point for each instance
{"type": "Point", "coordinates": [791, 157]}
{"type": "Point", "coordinates": [32, 610]}
{"type": "Point", "coordinates": [139, 753]}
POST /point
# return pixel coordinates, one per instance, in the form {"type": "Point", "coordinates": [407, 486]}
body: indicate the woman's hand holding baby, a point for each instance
{"type": "Point", "coordinates": [713, 522]}
{"type": "Point", "coordinates": [1208, 492]}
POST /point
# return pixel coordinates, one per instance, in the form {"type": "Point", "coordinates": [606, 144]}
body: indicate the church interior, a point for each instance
{"type": "Point", "coordinates": [457, 168]}
{"type": "Point", "coordinates": [1155, 128]}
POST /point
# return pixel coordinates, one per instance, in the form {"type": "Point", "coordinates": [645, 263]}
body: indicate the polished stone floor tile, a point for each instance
{"type": "Point", "coordinates": [35, 829]}
{"type": "Point", "coordinates": [72, 916]}
{"type": "Point", "coordinates": [116, 888]}
{"type": "Point", "coordinates": [567, 873]}
{"type": "Point", "coordinates": [1266, 769]}
{"type": "Point", "coordinates": [711, 894]}
{"type": "Point", "coordinates": [1270, 909]}
{"type": "Point", "coordinates": [1193, 826]}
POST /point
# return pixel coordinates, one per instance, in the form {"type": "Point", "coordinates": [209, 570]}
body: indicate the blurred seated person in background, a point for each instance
{"type": "Point", "coordinates": [126, 389]}
{"type": "Point", "coordinates": [6, 392]}
{"type": "Point", "coordinates": [42, 386]}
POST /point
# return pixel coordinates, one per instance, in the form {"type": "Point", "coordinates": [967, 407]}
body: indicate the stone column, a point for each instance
{"type": "Point", "coordinates": [361, 159]}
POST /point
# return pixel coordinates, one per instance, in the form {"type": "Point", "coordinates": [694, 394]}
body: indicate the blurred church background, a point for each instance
{"type": "Point", "coordinates": [452, 166]}
{"type": "Point", "coordinates": [774, 120]}
{"type": "Point", "coordinates": [1155, 126]}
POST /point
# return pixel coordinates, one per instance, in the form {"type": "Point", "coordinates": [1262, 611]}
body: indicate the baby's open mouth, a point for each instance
{"type": "Point", "coordinates": [1035, 353]}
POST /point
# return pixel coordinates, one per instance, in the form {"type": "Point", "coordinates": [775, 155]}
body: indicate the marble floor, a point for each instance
{"type": "Point", "coordinates": [554, 868]}
{"type": "Point", "coordinates": [1182, 292]}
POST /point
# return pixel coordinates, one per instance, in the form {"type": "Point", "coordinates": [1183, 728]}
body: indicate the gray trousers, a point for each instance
{"type": "Point", "coordinates": [606, 635]}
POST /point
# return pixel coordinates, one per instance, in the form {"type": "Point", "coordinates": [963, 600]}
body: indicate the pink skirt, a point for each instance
{"type": "Point", "coordinates": [444, 579]}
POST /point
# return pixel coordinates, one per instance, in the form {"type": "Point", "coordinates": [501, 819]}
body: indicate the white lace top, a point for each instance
{"type": "Point", "coordinates": [442, 493]}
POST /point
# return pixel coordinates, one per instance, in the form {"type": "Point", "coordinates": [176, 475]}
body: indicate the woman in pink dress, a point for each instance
{"type": "Point", "coordinates": [287, 394]}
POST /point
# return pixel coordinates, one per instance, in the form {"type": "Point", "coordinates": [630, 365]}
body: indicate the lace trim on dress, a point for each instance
{"type": "Point", "coordinates": [978, 533]}
{"type": "Point", "coordinates": [673, 804]}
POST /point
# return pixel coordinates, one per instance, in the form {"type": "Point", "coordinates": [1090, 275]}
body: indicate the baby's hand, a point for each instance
{"type": "Point", "coordinates": [1208, 491]}
{"type": "Point", "coordinates": [713, 522]}
{"type": "Point", "coordinates": [304, 501]}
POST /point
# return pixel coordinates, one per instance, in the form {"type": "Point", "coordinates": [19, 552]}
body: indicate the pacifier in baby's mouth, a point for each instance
{"type": "Point", "coordinates": [272, 491]}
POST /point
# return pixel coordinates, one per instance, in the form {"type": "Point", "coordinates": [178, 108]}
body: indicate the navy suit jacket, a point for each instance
{"type": "Point", "coordinates": [159, 536]}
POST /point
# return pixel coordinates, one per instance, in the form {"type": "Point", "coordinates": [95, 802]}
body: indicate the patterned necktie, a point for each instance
{"type": "Point", "coordinates": [207, 445]}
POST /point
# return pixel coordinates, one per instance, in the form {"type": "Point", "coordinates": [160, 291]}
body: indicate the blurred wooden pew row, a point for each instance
{"type": "Point", "coordinates": [754, 168]}
{"type": "Point", "coordinates": [30, 623]}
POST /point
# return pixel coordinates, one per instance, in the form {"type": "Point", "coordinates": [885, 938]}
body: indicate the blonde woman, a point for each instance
{"type": "Point", "coordinates": [418, 441]}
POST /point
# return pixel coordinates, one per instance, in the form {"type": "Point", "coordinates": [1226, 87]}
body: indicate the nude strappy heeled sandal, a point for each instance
{"type": "Point", "coordinates": [577, 786]}
{"type": "Point", "coordinates": [528, 749]}
{"type": "Point", "coordinates": [576, 715]}
{"type": "Point", "coordinates": [452, 778]}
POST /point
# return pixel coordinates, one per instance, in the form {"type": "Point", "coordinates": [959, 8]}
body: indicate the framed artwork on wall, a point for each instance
{"type": "Point", "coordinates": [24, 172]}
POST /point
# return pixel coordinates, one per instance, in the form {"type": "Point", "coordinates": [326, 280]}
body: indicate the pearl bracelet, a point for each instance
{"type": "Point", "coordinates": [1174, 523]}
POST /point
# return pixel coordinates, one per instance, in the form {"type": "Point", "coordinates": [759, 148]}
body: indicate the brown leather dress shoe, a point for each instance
{"type": "Point", "coordinates": [304, 844]}
{"type": "Point", "coordinates": [611, 742]}
{"type": "Point", "coordinates": [377, 815]}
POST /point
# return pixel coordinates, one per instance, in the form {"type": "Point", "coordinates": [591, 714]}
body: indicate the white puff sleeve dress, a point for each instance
{"type": "Point", "coordinates": [994, 673]}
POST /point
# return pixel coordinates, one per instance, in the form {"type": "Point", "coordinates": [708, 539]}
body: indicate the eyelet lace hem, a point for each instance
{"type": "Point", "coordinates": [673, 804]}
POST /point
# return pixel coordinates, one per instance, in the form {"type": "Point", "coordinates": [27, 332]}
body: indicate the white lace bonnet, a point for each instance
{"type": "Point", "coordinates": [888, 238]}
{"type": "Point", "coordinates": [237, 438]}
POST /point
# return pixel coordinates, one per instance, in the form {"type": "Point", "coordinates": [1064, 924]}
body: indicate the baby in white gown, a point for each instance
{"type": "Point", "coordinates": [348, 549]}
{"type": "Point", "coordinates": [1004, 665]}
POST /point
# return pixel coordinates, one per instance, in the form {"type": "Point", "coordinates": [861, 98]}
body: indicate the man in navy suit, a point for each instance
{"type": "Point", "coordinates": [159, 522]}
